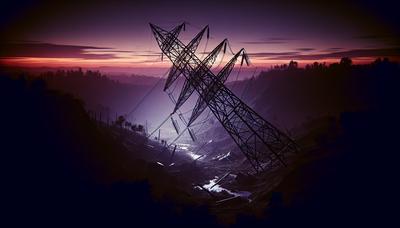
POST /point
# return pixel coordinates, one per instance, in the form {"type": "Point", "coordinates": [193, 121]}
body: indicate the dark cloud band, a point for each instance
{"type": "Point", "coordinates": [49, 50]}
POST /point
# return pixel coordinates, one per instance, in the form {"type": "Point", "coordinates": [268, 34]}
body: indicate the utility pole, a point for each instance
{"type": "Point", "coordinates": [147, 130]}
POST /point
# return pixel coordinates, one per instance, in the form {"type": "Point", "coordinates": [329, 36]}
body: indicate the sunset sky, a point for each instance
{"type": "Point", "coordinates": [117, 35]}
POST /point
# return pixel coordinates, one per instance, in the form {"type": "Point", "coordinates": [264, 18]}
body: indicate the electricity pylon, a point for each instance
{"type": "Point", "coordinates": [262, 143]}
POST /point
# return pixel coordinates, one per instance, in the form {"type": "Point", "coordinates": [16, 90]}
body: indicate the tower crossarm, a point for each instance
{"type": "Point", "coordinates": [223, 75]}
{"type": "Point", "coordinates": [191, 47]}
{"type": "Point", "coordinates": [187, 88]}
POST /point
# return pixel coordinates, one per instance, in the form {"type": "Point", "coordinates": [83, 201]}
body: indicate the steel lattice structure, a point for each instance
{"type": "Point", "coordinates": [262, 143]}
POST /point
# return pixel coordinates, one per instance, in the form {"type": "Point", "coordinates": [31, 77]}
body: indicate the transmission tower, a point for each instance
{"type": "Point", "coordinates": [262, 143]}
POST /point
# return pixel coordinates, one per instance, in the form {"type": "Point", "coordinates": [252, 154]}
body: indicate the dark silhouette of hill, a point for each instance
{"type": "Point", "coordinates": [59, 168]}
{"type": "Point", "coordinates": [290, 96]}
{"type": "Point", "coordinates": [99, 92]}
{"type": "Point", "coordinates": [350, 178]}
{"type": "Point", "coordinates": [134, 79]}
{"type": "Point", "coordinates": [109, 96]}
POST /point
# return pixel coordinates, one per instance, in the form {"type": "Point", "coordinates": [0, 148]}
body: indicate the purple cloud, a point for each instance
{"type": "Point", "coordinates": [271, 54]}
{"type": "Point", "coordinates": [305, 49]}
{"type": "Point", "coordinates": [49, 50]}
{"type": "Point", "coordinates": [264, 42]}
{"type": "Point", "coordinates": [383, 52]}
{"type": "Point", "coordinates": [333, 49]}
{"type": "Point", "coordinates": [271, 40]}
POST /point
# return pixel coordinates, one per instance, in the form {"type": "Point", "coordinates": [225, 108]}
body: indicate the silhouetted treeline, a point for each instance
{"type": "Point", "coordinates": [289, 96]}
{"type": "Point", "coordinates": [101, 94]}
{"type": "Point", "coordinates": [72, 73]}
{"type": "Point", "coordinates": [105, 96]}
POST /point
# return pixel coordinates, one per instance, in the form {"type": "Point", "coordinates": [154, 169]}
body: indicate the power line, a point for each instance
{"type": "Point", "coordinates": [146, 95]}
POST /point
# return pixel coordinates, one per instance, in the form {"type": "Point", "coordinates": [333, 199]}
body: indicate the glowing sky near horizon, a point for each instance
{"type": "Point", "coordinates": [117, 35]}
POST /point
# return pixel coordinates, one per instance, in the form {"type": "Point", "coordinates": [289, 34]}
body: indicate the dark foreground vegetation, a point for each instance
{"type": "Point", "coordinates": [349, 177]}
{"type": "Point", "coordinates": [59, 168]}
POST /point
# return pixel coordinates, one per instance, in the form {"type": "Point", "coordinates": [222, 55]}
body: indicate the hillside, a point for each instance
{"type": "Point", "coordinates": [290, 96]}
{"type": "Point", "coordinates": [60, 168]}
{"type": "Point", "coordinates": [59, 162]}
